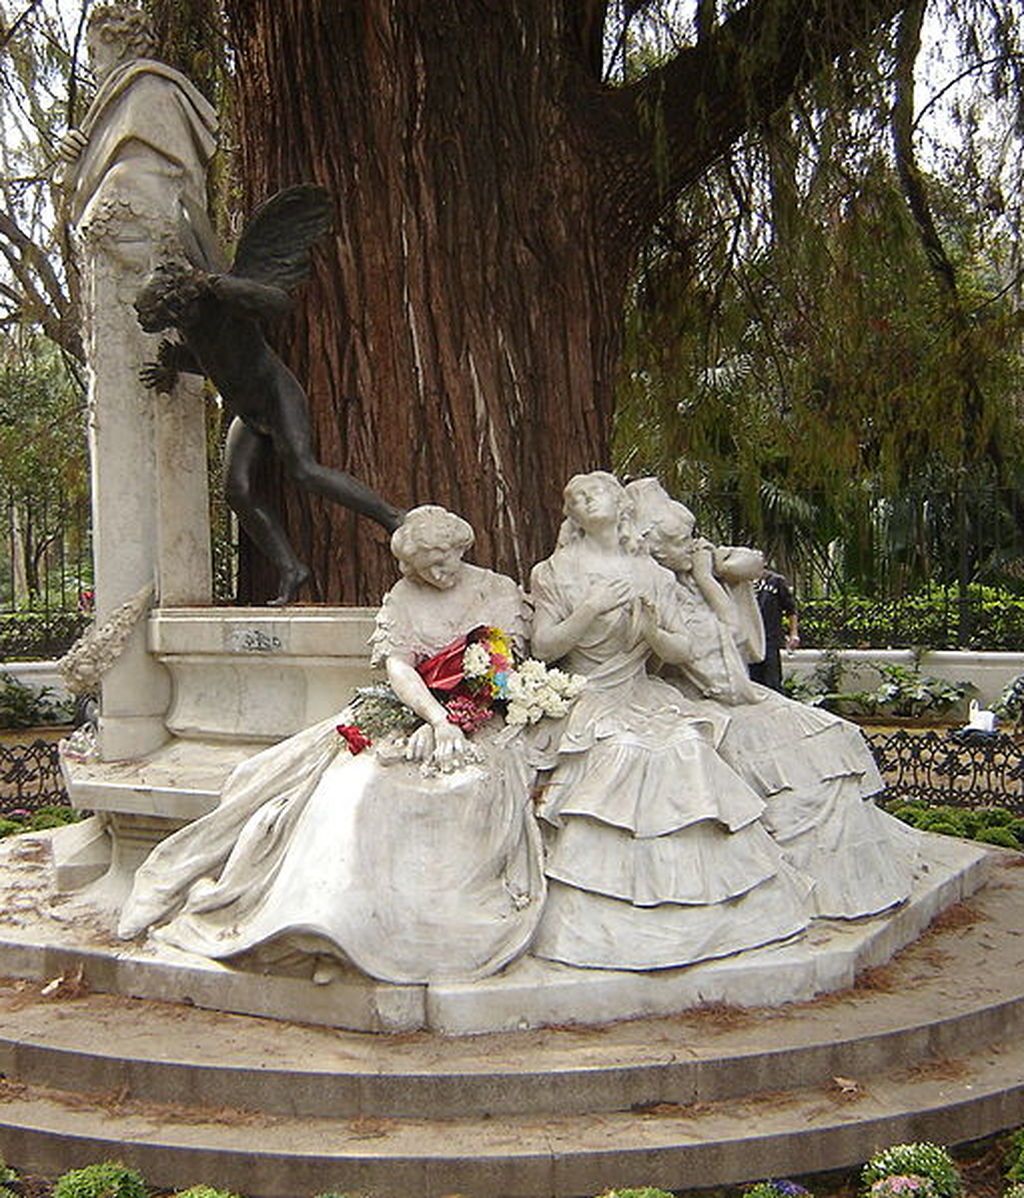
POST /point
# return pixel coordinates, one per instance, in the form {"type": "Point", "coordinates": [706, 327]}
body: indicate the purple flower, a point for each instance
{"type": "Point", "coordinates": [791, 1189]}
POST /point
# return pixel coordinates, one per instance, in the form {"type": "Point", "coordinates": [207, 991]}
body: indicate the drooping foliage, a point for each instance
{"type": "Point", "coordinates": [825, 333]}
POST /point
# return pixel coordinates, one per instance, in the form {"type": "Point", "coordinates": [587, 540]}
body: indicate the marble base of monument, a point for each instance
{"type": "Point", "coordinates": [45, 933]}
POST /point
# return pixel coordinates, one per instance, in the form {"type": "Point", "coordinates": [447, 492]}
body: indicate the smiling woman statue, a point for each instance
{"type": "Point", "coordinates": [415, 860]}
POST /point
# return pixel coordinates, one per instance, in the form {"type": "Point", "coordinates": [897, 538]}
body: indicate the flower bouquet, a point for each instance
{"type": "Point", "coordinates": [473, 677]}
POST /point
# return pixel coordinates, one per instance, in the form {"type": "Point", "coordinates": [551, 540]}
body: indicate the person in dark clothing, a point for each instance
{"type": "Point", "coordinates": [781, 627]}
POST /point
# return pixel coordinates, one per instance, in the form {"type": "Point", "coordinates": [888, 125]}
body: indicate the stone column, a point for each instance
{"type": "Point", "coordinates": [144, 146]}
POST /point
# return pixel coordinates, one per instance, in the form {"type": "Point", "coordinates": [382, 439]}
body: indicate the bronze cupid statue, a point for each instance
{"type": "Point", "coordinates": [216, 312]}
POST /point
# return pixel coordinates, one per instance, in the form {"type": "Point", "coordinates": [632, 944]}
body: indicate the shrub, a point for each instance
{"type": "Point", "coordinates": [642, 1192]}
{"type": "Point", "coordinates": [109, 1179]}
{"type": "Point", "coordinates": [1014, 1191]}
{"type": "Point", "coordinates": [989, 825]}
{"type": "Point", "coordinates": [902, 690]}
{"type": "Point", "coordinates": [921, 1160]}
{"type": "Point", "coordinates": [929, 618]}
{"type": "Point", "coordinates": [52, 816]}
{"type": "Point", "coordinates": [783, 1188]}
{"type": "Point", "coordinates": [8, 827]}
{"type": "Point", "coordinates": [1010, 704]}
{"type": "Point", "coordinates": [1013, 1161]}
{"type": "Point", "coordinates": [1002, 837]}
{"type": "Point", "coordinates": [202, 1191]}
{"type": "Point", "coordinates": [903, 1185]}
{"type": "Point", "coordinates": [41, 635]}
{"type": "Point", "coordinates": [23, 707]}
{"type": "Point", "coordinates": [944, 827]}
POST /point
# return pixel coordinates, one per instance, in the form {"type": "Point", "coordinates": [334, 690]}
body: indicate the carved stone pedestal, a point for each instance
{"type": "Point", "coordinates": [241, 678]}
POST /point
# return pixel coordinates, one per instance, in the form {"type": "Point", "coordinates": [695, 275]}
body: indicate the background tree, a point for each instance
{"type": "Point", "coordinates": [827, 329]}
{"type": "Point", "coordinates": [44, 497]}
{"type": "Point", "coordinates": [508, 175]}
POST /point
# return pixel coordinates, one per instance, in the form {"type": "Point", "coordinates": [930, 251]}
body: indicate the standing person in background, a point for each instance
{"type": "Point", "coordinates": [778, 613]}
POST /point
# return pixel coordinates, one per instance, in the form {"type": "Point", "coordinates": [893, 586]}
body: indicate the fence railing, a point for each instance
{"type": "Point", "coordinates": [932, 767]}
{"type": "Point", "coordinates": [951, 768]}
{"type": "Point", "coordinates": [30, 777]}
{"type": "Point", "coordinates": [45, 552]}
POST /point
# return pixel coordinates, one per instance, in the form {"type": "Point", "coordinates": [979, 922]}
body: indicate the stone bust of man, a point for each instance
{"type": "Point", "coordinates": [144, 143]}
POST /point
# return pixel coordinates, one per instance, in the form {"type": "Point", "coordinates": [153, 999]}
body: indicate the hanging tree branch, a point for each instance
{"type": "Point", "coordinates": [673, 123]}
{"type": "Point", "coordinates": [977, 439]}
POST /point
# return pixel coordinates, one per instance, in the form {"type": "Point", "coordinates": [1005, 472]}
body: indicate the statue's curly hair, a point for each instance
{"type": "Point", "coordinates": [127, 25]}
{"type": "Point", "coordinates": [170, 287]}
{"type": "Point", "coordinates": [429, 527]}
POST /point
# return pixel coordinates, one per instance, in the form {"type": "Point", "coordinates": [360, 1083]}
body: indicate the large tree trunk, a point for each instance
{"type": "Point", "coordinates": [459, 335]}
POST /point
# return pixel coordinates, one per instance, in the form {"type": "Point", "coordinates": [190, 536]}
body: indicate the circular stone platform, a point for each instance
{"type": "Point", "coordinates": [928, 1046]}
{"type": "Point", "coordinates": [43, 933]}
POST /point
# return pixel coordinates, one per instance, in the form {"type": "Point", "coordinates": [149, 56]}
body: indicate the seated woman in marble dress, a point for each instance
{"type": "Point", "coordinates": [813, 769]}
{"type": "Point", "coordinates": [656, 855]}
{"type": "Point", "coordinates": [416, 860]}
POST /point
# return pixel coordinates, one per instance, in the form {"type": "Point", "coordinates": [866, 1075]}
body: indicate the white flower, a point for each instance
{"type": "Point", "coordinates": [517, 714]}
{"type": "Point", "coordinates": [516, 686]}
{"type": "Point", "coordinates": [576, 683]}
{"type": "Point", "coordinates": [532, 670]}
{"type": "Point", "coordinates": [558, 680]}
{"type": "Point", "coordinates": [476, 661]}
{"type": "Point", "coordinates": [554, 705]}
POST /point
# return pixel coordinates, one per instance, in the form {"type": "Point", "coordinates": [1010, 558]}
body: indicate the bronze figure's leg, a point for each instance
{"type": "Point", "coordinates": [241, 453]}
{"type": "Point", "coordinates": [294, 445]}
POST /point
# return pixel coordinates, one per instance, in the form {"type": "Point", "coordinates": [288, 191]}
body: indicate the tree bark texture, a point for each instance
{"type": "Point", "coordinates": [460, 334]}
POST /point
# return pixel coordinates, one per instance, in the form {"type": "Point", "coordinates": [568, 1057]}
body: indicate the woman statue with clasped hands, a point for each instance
{"type": "Point", "coordinates": [656, 855]}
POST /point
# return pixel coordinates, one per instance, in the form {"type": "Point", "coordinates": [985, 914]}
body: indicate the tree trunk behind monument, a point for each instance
{"type": "Point", "coordinates": [459, 334]}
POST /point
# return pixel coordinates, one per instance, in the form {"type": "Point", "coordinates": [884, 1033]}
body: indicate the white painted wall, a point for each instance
{"type": "Point", "coordinates": [989, 672]}
{"type": "Point", "coordinates": [37, 674]}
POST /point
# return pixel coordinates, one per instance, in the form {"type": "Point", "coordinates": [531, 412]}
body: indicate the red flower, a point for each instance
{"type": "Point", "coordinates": [355, 738]}
{"type": "Point", "coordinates": [443, 671]}
{"type": "Point", "coordinates": [467, 712]}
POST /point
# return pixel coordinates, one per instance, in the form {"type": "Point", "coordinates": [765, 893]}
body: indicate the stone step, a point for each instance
{"type": "Point", "coordinates": [674, 1145]}
{"type": "Point", "coordinates": [958, 989]}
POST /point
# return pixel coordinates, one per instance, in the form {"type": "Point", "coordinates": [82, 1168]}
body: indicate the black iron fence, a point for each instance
{"type": "Point", "coordinates": [45, 574]}
{"type": "Point", "coordinates": [933, 767]}
{"type": "Point", "coordinates": [30, 777]}
{"type": "Point", "coordinates": [950, 768]}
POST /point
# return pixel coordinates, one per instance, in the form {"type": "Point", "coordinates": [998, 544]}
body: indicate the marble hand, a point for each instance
{"type": "Point", "coordinates": [607, 596]}
{"type": "Point", "coordinates": [71, 145]}
{"type": "Point", "coordinates": [703, 558]}
{"type": "Point", "coordinates": [449, 745]}
{"type": "Point", "coordinates": [419, 745]}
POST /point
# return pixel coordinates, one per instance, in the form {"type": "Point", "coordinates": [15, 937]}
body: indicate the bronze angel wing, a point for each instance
{"type": "Point", "coordinates": [274, 246]}
{"type": "Point", "coordinates": [198, 240]}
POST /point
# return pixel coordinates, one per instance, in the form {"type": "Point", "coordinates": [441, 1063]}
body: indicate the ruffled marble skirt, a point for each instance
{"type": "Point", "coordinates": [656, 856]}
{"type": "Point", "coordinates": [411, 878]}
{"type": "Point", "coordinates": [817, 777]}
